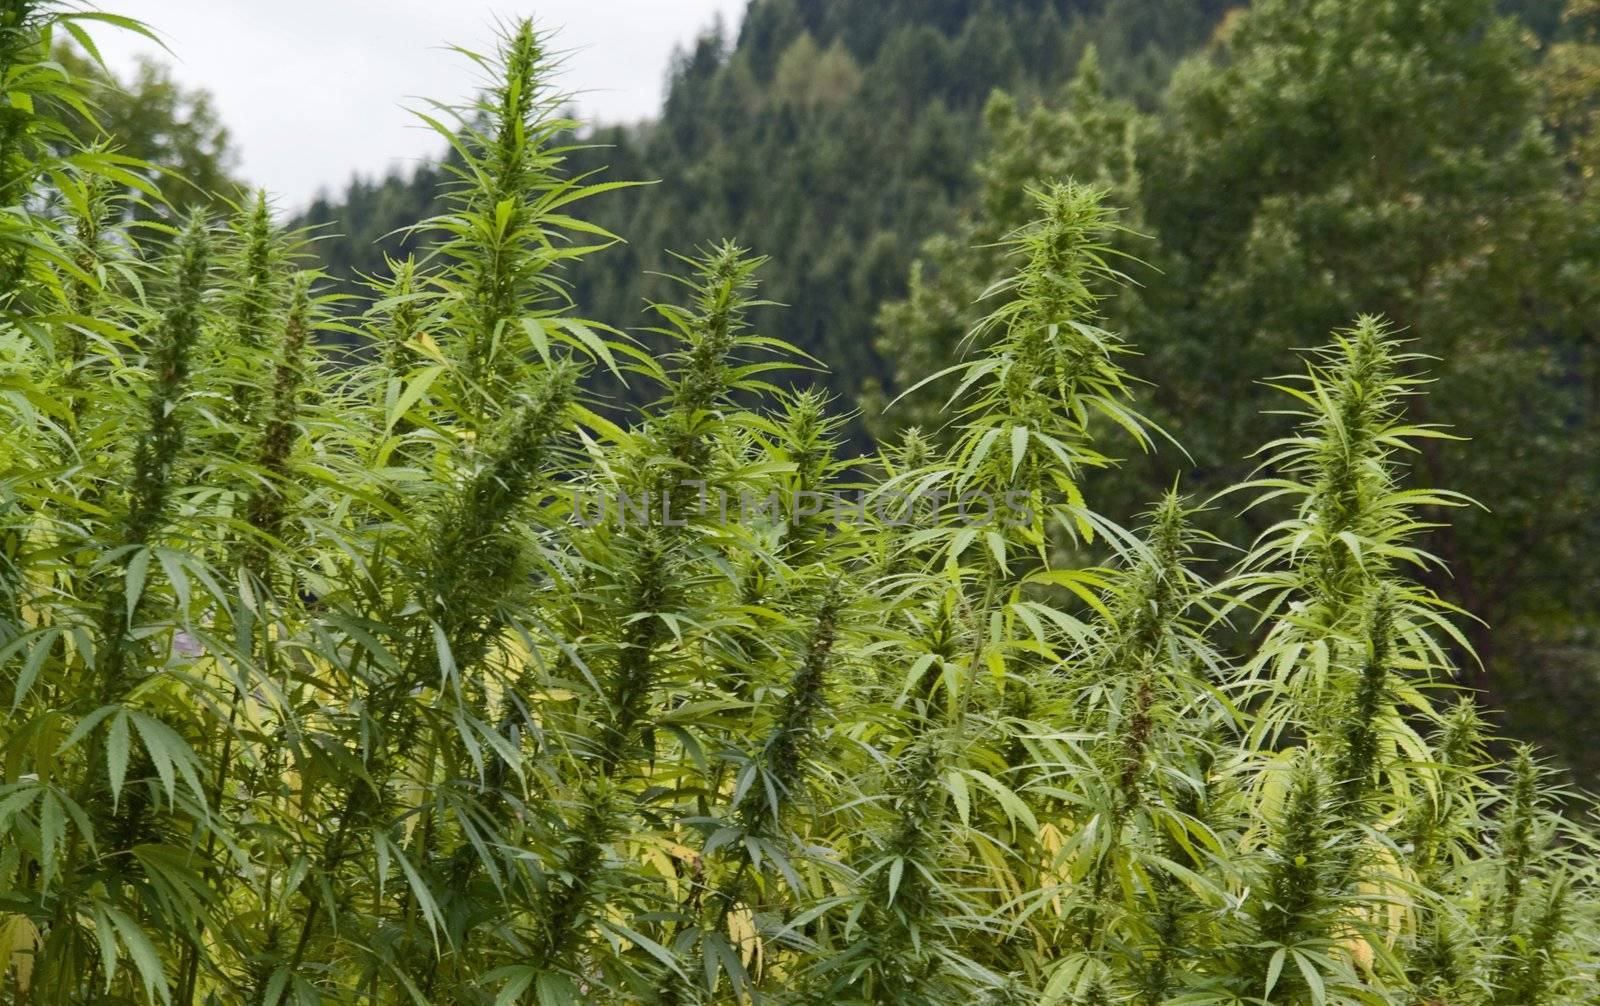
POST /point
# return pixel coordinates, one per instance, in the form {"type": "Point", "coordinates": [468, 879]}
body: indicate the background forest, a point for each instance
{"type": "Point", "coordinates": [325, 683]}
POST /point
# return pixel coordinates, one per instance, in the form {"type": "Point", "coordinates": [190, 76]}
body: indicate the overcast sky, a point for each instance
{"type": "Point", "coordinates": [314, 90]}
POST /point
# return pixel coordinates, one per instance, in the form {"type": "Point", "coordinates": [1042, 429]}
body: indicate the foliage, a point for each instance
{"type": "Point", "coordinates": [1088, 136]}
{"type": "Point", "coordinates": [153, 118]}
{"type": "Point", "coordinates": [1319, 156]}
{"type": "Point", "coordinates": [339, 684]}
{"type": "Point", "coordinates": [1247, 187]}
{"type": "Point", "coordinates": [1252, 185]}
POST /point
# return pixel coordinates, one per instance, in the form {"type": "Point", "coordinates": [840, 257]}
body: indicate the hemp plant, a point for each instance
{"type": "Point", "coordinates": [371, 650]}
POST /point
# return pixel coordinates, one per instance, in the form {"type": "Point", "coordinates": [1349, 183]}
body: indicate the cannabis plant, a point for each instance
{"type": "Point", "coordinates": [369, 651]}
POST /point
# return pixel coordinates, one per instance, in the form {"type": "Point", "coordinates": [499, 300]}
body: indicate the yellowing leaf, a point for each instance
{"type": "Point", "coordinates": [742, 932]}
{"type": "Point", "coordinates": [19, 941]}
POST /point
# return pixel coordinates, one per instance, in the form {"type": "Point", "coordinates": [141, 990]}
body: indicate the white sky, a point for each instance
{"type": "Point", "coordinates": [316, 90]}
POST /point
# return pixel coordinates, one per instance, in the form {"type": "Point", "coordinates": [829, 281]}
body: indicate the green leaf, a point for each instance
{"type": "Point", "coordinates": [897, 869]}
{"type": "Point", "coordinates": [557, 990]}
{"type": "Point", "coordinates": [170, 754]}
{"type": "Point", "coordinates": [52, 830]}
{"type": "Point", "coordinates": [1274, 970]}
{"type": "Point", "coordinates": [117, 754]}
{"type": "Point", "coordinates": [40, 645]}
{"type": "Point", "coordinates": [137, 571]}
{"type": "Point", "coordinates": [517, 978]}
{"type": "Point", "coordinates": [415, 388]}
{"type": "Point", "coordinates": [145, 958]}
{"type": "Point", "coordinates": [1319, 992]}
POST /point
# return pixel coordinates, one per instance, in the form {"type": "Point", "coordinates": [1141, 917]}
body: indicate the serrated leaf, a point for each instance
{"type": "Point", "coordinates": [117, 755]}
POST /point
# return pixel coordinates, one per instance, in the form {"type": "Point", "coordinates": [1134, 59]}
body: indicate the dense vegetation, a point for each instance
{"type": "Point", "coordinates": [329, 681]}
{"type": "Point", "coordinates": [1415, 158]}
{"type": "Point", "coordinates": [1422, 159]}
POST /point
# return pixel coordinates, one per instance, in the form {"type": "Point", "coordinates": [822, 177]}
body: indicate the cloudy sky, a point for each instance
{"type": "Point", "coordinates": [314, 90]}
